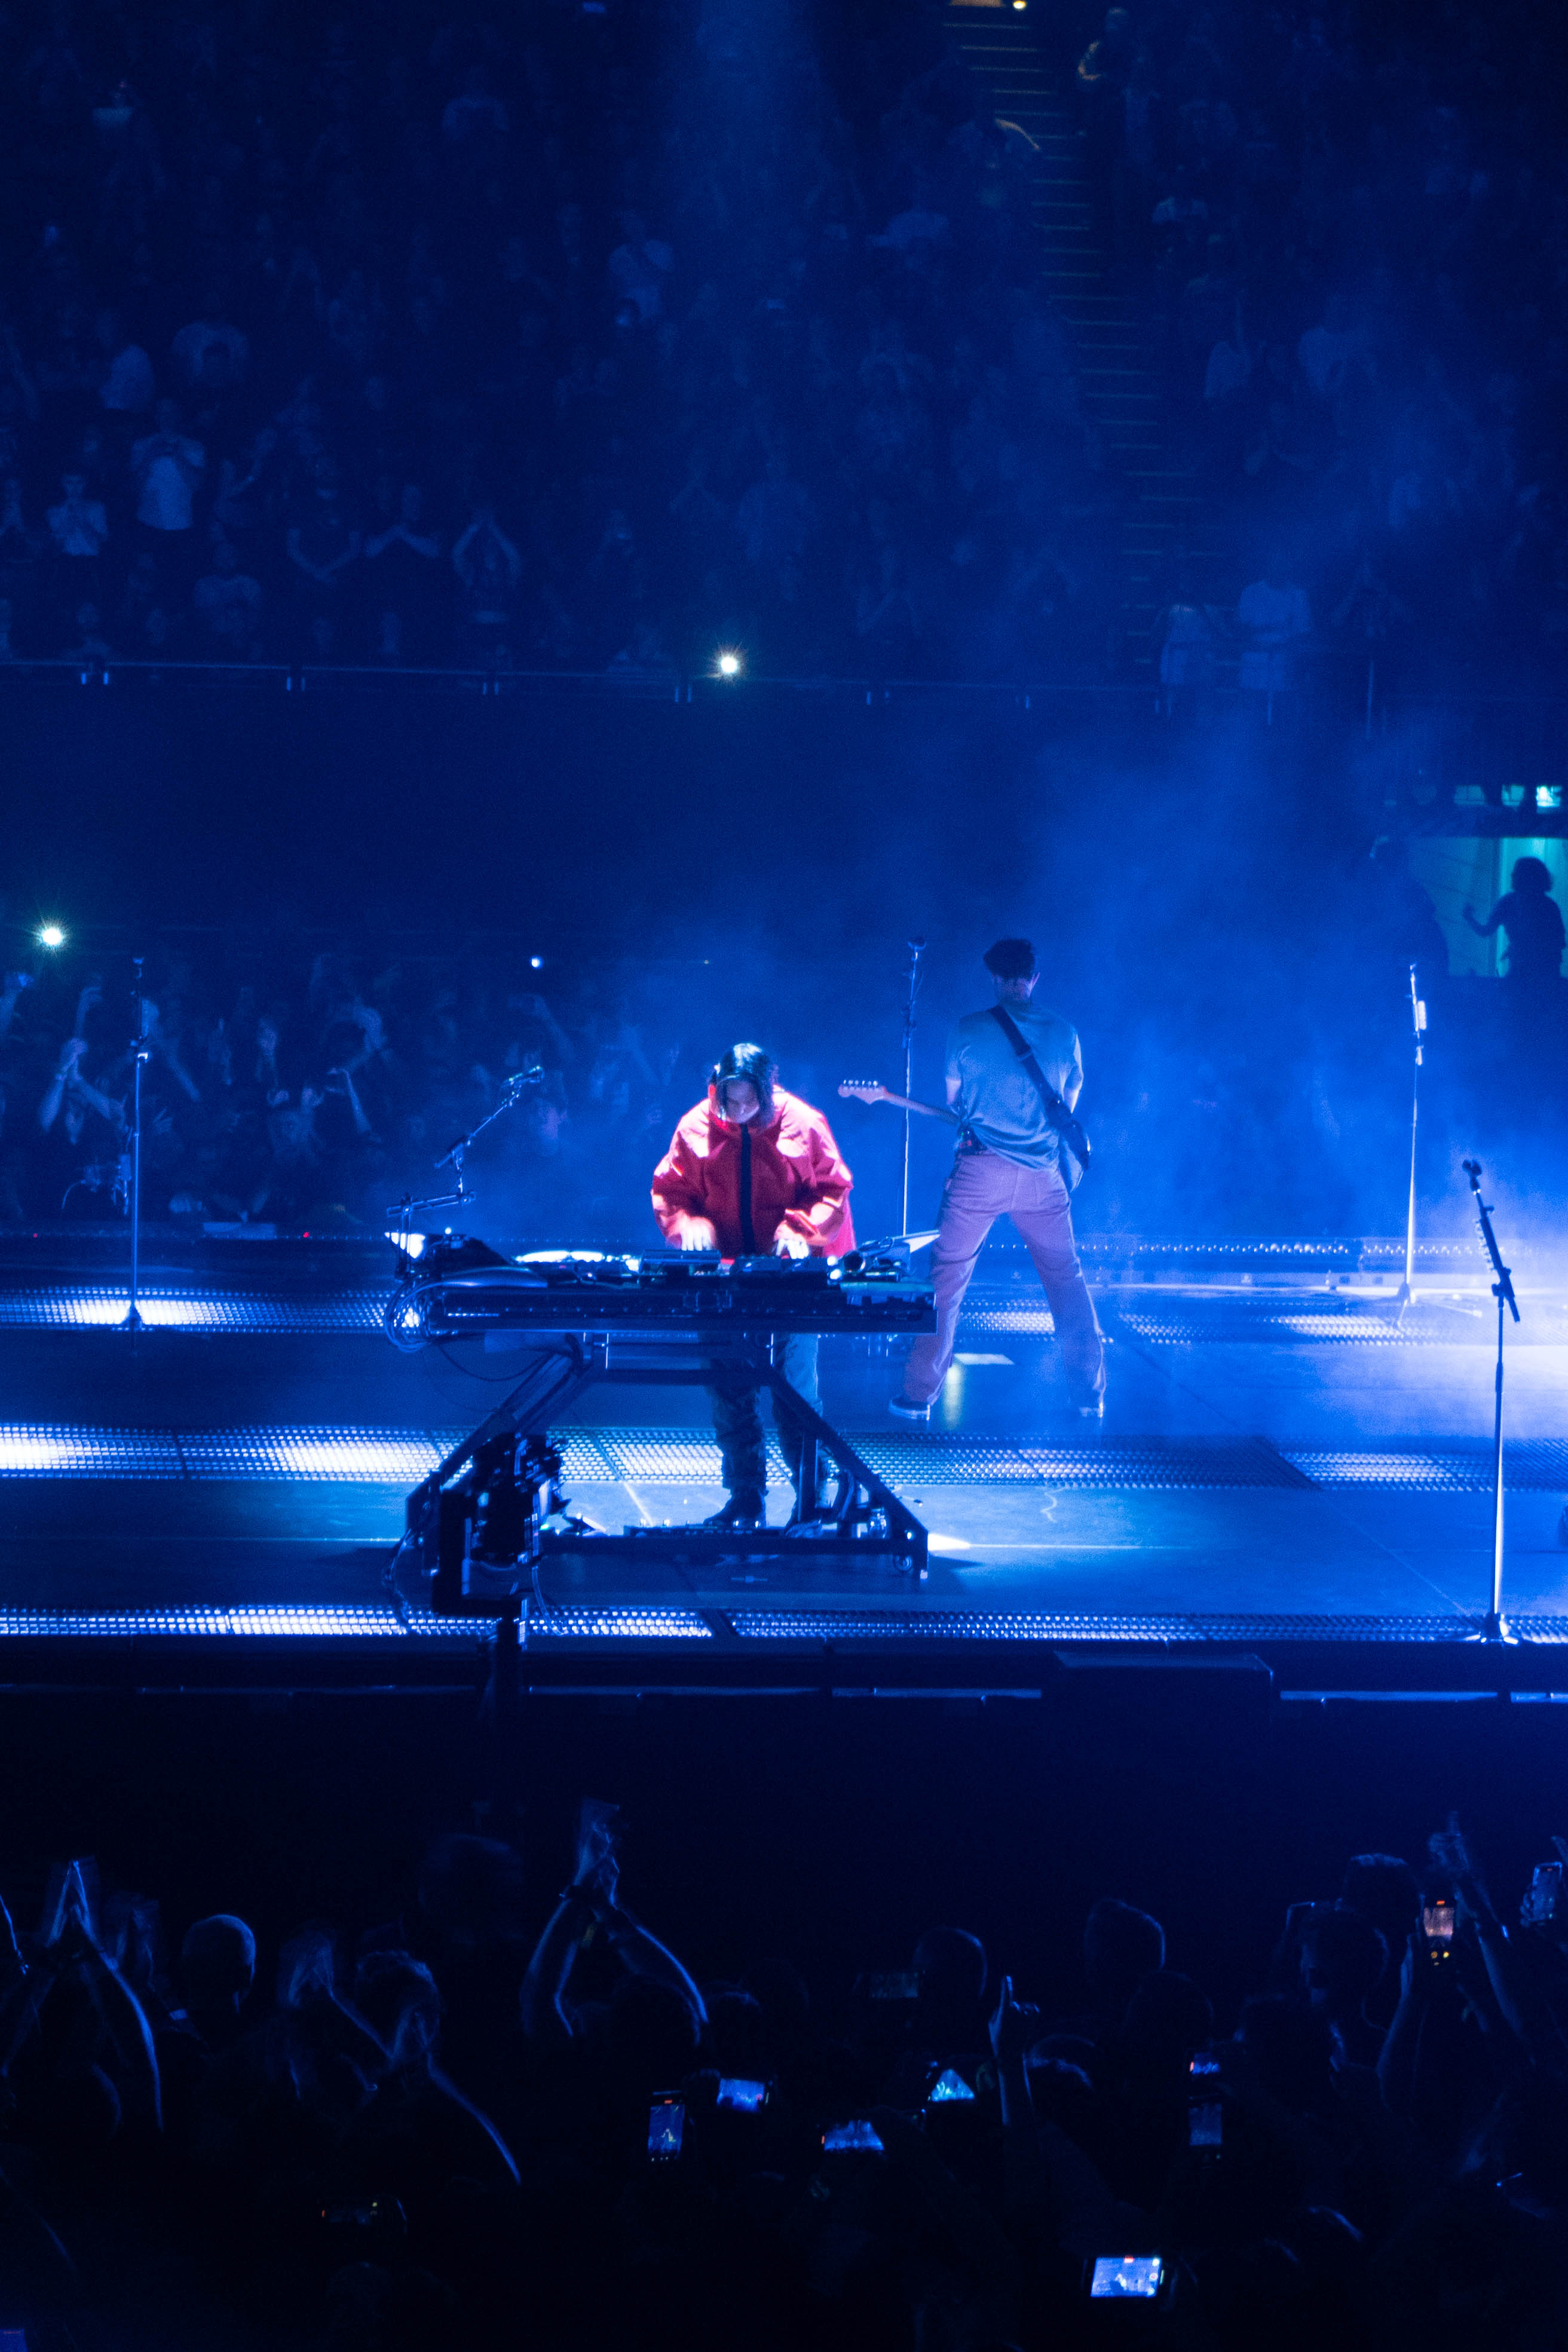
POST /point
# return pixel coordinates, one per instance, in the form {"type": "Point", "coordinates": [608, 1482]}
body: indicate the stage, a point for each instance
{"type": "Point", "coordinates": [1289, 1478]}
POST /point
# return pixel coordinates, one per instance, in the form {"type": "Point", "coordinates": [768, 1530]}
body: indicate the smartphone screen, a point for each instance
{"type": "Point", "coordinates": [666, 2129]}
{"type": "Point", "coordinates": [1539, 1907]}
{"type": "Point", "coordinates": [1206, 2126]}
{"type": "Point", "coordinates": [1204, 2062]}
{"type": "Point", "coordinates": [735, 2091]}
{"type": "Point", "coordinates": [1126, 2274]}
{"type": "Point", "coordinates": [1438, 1919]}
{"type": "Point", "coordinates": [949, 2084]}
{"type": "Point", "coordinates": [858, 2135]}
{"type": "Point", "coordinates": [896, 1988]}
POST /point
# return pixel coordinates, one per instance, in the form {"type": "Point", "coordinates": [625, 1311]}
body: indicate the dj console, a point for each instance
{"type": "Point", "coordinates": [482, 1529]}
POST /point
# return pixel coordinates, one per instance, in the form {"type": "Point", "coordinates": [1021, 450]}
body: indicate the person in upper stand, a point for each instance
{"type": "Point", "coordinates": [750, 1170]}
{"type": "Point", "coordinates": [1533, 921]}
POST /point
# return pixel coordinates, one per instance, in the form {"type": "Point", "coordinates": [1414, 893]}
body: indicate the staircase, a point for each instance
{"type": "Point", "coordinates": [1004, 47]}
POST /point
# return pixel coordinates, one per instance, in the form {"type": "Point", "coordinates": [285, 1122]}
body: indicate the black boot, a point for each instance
{"type": "Point", "coordinates": [741, 1511]}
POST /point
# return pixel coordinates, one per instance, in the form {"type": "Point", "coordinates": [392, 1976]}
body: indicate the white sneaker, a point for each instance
{"type": "Point", "coordinates": [1095, 1411]}
{"type": "Point", "coordinates": [906, 1409]}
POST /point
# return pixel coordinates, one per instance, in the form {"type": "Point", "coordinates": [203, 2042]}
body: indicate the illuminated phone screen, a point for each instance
{"type": "Point", "coordinates": [1437, 1922]}
{"type": "Point", "coordinates": [1206, 2126]}
{"type": "Point", "coordinates": [1126, 2274]}
{"type": "Point", "coordinates": [897, 1987]}
{"type": "Point", "coordinates": [858, 2135]}
{"type": "Point", "coordinates": [735, 2091]}
{"type": "Point", "coordinates": [666, 2129]}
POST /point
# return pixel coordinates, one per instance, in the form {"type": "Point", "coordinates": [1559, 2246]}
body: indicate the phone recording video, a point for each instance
{"type": "Point", "coordinates": [1204, 2062]}
{"type": "Point", "coordinates": [666, 2128]}
{"type": "Point", "coordinates": [841, 2138]}
{"type": "Point", "coordinates": [745, 2096]}
{"type": "Point", "coordinates": [1437, 1926]}
{"type": "Point", "coordinates": [900, 1986]}
{"type": "Point", "coordinates": [1117, 2275]}
{"type": "Point", "coordinates": [949, 2086]}
{"type": "Point", "coordinates": [1206, 2126]}
{"type": "Point", "coordinates": [1543, 1896]}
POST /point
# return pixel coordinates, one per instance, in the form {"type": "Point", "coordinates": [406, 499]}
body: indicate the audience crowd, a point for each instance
{"type": "Point", "coordinates": [590, 337]}
{"type": "Point", "coordinates": [599, 339]}
{"type": "Point", "coordinates": [1346, 224]}
{"type": "Point", "coordinates": [417, 2134]}
{"type": "Point", "coordinates": [314, 1099]}
{"type": "Point", "coordinates": [307, 1083]}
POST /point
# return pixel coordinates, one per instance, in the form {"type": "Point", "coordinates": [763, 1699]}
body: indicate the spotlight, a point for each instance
{"type": "Point", "coordinates": [50, 936]}
{"type": "Point", "coordinates": [729, 665]}
{"type": "Point", "coordinates": [536, 963]}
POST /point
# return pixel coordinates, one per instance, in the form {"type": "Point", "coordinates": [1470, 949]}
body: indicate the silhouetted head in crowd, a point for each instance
{"type": "Point", "coordinates": [1343, 1960]}
{"type": "Point", "coordinates": [1531, 877]}
{"type": "Point", "coordinates": [951, 1967]}
{"type": "Point", "coordinates": [397, 1997]}
{"type": "Point", "coordinates": [653, 2037]}
{"type": "Point", "coordinates": [471, 1891]}
{"type": "Point", "coordinates": [1121, 1946]}
{"type": "Point", "coordinates": [739, 2039]}
{"type": "Point", "coordinates": [1383, 1888]}
{"type": "Point", "coordinates": [1168, 2018]}
{"type": "Point", "coordinates": [1292, 2048]}
{"type": "Point", "coordinates": [217, 1969]}
{"type": "Point", "coordinates": [785, 2000]}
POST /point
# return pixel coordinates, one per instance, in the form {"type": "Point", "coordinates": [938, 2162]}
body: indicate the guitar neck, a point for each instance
{"type": "Point", "coordinates": [928, 1110]}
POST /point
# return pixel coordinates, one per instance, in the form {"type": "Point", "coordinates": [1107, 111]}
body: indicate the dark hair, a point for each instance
{"type": "Point", "coordinates": [1532, 876]}
{"type": "Point", "coordinates": [1121, 1945]}
{"type": "Point", "coordinates": [1011, 960]}
{"type": "Point", "coordinates": [1347, 1947]}
{"type": "Point", "coordinates": [755, 1063]}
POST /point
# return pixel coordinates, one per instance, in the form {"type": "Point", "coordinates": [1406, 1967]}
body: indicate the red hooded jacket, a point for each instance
{"type": "Point", "coordinates": [798, 1179]}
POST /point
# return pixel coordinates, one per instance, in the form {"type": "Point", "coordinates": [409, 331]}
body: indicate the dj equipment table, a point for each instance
{"type": "Point", "coordinates": [486, 1523]}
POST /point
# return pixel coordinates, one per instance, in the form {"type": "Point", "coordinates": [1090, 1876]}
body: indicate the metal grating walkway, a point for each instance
{"type": "Point", "coordinates": [991, 1625]}
{"type": "Point", "coordinates": [1192, 1323]}
{"type": "Point", "coordinates": [101, 1307]}
{"type": "Point", "coordinates": [839, 1630]}
{"type": "Point", "coordinates": [676, 1457]}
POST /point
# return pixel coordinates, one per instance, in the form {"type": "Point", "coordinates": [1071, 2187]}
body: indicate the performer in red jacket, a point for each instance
{"type": "Point", "coordinates": [750, 1170]}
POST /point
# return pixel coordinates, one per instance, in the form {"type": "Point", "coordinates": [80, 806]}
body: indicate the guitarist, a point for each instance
{"type": "Point", "coordinates": [1010, 1162]}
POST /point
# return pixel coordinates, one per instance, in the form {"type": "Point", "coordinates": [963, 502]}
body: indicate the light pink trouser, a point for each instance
{"type": "Point", "coordinates": [981, 1188]}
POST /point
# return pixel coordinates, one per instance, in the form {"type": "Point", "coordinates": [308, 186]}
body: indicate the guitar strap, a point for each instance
{"type": "Point", "coordinates": [1069, 1129]}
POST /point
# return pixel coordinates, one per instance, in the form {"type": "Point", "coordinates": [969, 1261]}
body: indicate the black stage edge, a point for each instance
{"type": "Point", "coordinates": [887, 1656]}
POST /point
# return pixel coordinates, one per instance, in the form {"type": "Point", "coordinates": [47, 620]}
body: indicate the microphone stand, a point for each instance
{"type": "Point", "coordinates": [133, 1321]}
{"type": "Point", "coordinates": [917, 948]}
{"type": "Point", "coordinates": [511, 1095]}
{"type": "Point", "coordinates": [1418, 1030]}
{"type": "Point", "coordinates": [1494, 1625]}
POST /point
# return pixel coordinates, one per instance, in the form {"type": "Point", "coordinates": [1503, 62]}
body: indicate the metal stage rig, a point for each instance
{"type": "Point", "coordinates": [484, 1527]}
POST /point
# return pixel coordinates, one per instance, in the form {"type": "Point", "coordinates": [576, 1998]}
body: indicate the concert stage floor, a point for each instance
{"type": "Point", "coordinates": [1283, 1473]}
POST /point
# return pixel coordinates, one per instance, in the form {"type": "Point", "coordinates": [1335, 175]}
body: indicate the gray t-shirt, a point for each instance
{"type": "Point", "coordinates": [996, 1095]}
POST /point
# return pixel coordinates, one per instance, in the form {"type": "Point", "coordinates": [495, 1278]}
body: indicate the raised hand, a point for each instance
{"type": "Point", "coordinates": [1014, 2025]}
